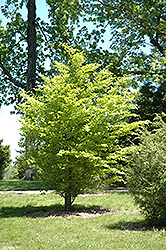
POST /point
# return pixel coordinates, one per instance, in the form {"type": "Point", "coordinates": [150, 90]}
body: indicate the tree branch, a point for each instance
{"type": "Point", "coordinates": [146, 26]}
{"type": "Point", "coordinates": [132, 16]}
{"type": "Point", "coordinates": [156, 44]}
{"type": "Point", "coordinates": [7, 73]}
{"type": "Point", "coordinates": [139, 72]}
{"type": "Point", "coordinates": [10, 48]}
{"type": "Point", "coordinates": [41, 29]}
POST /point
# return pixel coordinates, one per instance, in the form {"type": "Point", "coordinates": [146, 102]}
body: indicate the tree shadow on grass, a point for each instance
{"type": "Point", "coordinates": [137, 226]}
{"type": "Point", "coordinates": [57, 210]}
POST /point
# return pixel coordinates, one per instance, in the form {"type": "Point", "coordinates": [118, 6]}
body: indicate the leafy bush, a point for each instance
{"type": "Point", "coordinates": [147, 172]}
{"type": "Point", "coordinates": [20, 165]}
{"type": "Point", "coordinates": [4, 159]}
{"type": "Point", "coordinates": [12, 174]}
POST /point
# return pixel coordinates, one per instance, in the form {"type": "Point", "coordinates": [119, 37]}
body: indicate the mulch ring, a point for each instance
{"type": "Point", "coordinates": [76, 212]}
{"type": "Point", "coordinates": [81, 212]}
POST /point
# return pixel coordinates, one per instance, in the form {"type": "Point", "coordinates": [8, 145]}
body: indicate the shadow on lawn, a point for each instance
{"type": "Point", "coordinates": [53, 210]}
{"type": "Point", "coordinates": [138, 226]}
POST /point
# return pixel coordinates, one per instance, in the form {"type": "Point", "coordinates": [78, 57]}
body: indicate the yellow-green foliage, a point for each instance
{"type": "Point", "coordinates": [72, 122]}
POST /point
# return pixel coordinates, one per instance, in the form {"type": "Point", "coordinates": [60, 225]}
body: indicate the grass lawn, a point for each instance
{"type": "Point", "coordinates": [38, 221]}
{"type": "Point", "coordinates": [17, 185]}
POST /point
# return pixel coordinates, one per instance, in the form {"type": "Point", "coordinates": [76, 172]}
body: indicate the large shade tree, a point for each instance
{"type": "Point", "coordinates": [131, 27]}
{"type": "Point", "coordinates": [134, 33]}
{"type": "Point", "coordinates": [30, 45]}
{"type": "Point", "coordinates": [73, 122]}
{"type": "Point", "coordinates": [17, 60]}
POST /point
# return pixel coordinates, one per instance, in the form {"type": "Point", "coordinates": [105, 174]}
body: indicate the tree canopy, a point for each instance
{"type": "Point", "coordinates": [72, 124]}
{"type": "Point", "coordinates": [131, 28]}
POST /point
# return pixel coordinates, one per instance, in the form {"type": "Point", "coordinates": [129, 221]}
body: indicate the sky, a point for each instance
{"type": "Point", "coordinates": [9, 129]}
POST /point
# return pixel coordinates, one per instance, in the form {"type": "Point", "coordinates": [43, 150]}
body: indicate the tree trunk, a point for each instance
{"type": "Point", "coordinates": [67, 202]}
{"type": "Point", "coordinates": [31, 39]}
{"type": "Point", "coordinates": [31, 36]}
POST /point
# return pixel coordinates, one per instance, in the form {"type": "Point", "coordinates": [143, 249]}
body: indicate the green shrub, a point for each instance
{"type": "Point", "coordinates": [4, 159]}
{"type": "Point", "coordinates": [20, 165]}
{"type": "Point", "coordinates": [147, 172]}
{"type": "Point", "coordinates": [12, 174]}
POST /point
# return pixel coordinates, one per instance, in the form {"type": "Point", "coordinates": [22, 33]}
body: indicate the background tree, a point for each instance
{"type": "Point", "coordinates": [132, 26]}
{"type": "Point", "coordinates": [20, 165]}
{"type": "Point", "coordinates": [4, 159]}
{"type": "Point", "coordinates": [150, 101]}
{"type": "Point", "coordinates": [26, 45]}
{"type": "Point", "coordinates": [135, 33]}
{"type": "Point", "coordinates": [73, 122]}
{"type": "Point", "coordinates": [18, 62]}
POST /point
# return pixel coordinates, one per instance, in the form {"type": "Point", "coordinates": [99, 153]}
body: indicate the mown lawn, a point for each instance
{"type": "Point", "coordinates": [38, 221]}
{"type": "Point", "coordinates": [17, 185]}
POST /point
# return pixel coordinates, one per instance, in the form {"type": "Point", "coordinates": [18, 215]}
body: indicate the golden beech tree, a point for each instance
{"type": "Point", "coordinates": [72, 124]}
